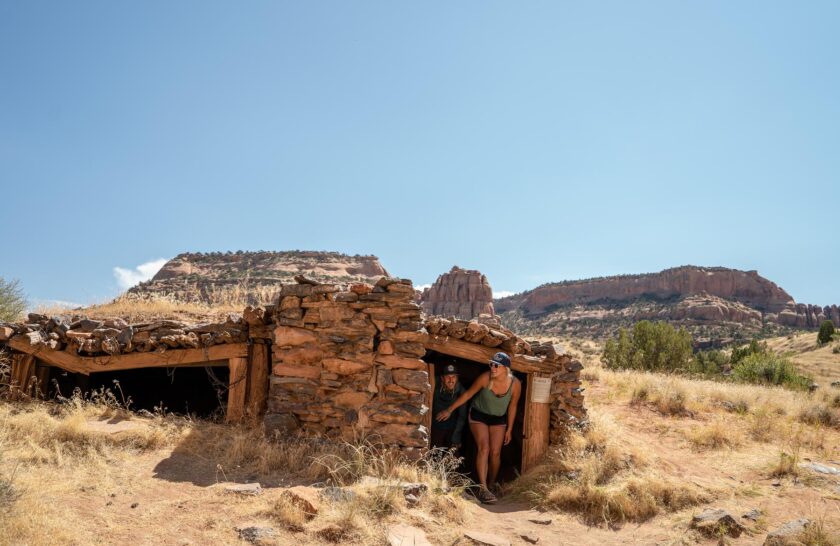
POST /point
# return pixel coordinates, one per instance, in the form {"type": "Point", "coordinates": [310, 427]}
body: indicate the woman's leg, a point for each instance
{"type": "Point", "coordinates": [482, 444]}
{"type": "Point", "coordinates": [497, 438]}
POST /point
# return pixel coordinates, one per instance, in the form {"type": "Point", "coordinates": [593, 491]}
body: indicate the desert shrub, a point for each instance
{"type": "Point", "coordinates": [716, 435]}
{"type": "Point", "coordinates": [12, 301]}
{"type": "Point", "coordinates": [769, 369]}
{"type": "Point", "coordinates": [651, 346]}
{"type": "Point", "coordinates": [820, 414]}
{"type": "Point", "coordinates": [708, 363]}
{"type": "Point", "coordinates": [753, 348]}
{"type": "Point", "coordinates": [826, 332]}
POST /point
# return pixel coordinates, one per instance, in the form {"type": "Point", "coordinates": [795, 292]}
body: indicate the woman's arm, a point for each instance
{"type": "Point", "coordinates": [481, 381]}
{"type": "Point", "coordinates": [514, 404]}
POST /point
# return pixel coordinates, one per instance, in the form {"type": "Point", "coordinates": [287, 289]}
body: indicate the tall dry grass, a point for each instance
{"type": "Point", "coordinates": [607, 481]}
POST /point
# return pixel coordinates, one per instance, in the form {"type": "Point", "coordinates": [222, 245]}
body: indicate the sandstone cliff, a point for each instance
{"type": "Point", "coordinates": [712, 302]}
{"type": "Point", "coordinates": [462, 293]}
{"type": "Point", "coordinates": [208, 277]}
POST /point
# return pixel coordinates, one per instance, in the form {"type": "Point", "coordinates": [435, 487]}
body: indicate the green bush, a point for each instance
{"type": "Point", "coordinates": [12, 302]}
{"type": "Point", "coordinates": [709, 363]}
{"type": "Point", "coordinates": [754, 348]}
{"type": "Point", "coordinates": [826, 332]}
{"type": "Point", "coordinates": [769, 369]}
{"type": "Point", "coordinates": [653, 346]}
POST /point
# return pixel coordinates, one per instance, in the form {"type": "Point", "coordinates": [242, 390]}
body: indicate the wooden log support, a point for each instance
{"type": "Point", "coordinates": [535, 428]}
{"type": "Point", "coordinates": [480, 353]}
{"type": "Point", "coordinates": [259, 368]}
{"type": "Point", "coordinates": [237, 390]}
{"type": "Point", "coordinates": [430, 402]}
{"type": "Point", "coordinates": [165, 359]}
{"type": "Point", "coordinates": [22, 375]}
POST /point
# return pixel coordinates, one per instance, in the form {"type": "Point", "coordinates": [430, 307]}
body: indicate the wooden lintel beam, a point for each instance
{"type": "Point", "coordinates": [171, 358]}
{"type": "Point", "coordinates": [480, 353]}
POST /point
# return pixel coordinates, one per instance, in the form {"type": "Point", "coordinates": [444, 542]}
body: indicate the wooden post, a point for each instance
{"type": "Point", "coordinates": [237, 389]}
{"type": "Point", "coordinates": [258, 371]}
{"type": "Point", "coordinates": [535, 428]}
{"type": "Point", "coordinates": [42, 374]}
{"type": "Point", "coordinates": [427, 419]}
{"type": "Point", "coordinates": [22, 374]}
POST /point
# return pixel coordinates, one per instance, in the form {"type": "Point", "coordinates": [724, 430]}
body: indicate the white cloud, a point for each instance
{"type": "Point", "coordinates": [127, 278]}
{"type": "Point", "coordinates": [39, 304]}
{"type": "Point", "coordinates": [422, 287]}
{"type": "Point", "coordinates": [502, 293]}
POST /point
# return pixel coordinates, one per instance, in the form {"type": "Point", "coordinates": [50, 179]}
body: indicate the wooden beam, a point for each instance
{"type": "Point", "coordinates": [480, 353]}
{"type": "Point", "coordinates": [237, 389]}
{"type": "Point", "coordinates": [259, 369]}
{"type": "Point", "coordinates": [171, 358]}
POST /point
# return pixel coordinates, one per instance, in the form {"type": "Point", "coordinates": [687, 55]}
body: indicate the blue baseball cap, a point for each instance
{"type": "Point", "coordinates": [502, 359]}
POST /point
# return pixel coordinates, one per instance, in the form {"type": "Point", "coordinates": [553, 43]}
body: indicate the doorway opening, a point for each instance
{"type": "Point", "coordinates": [468, 371]}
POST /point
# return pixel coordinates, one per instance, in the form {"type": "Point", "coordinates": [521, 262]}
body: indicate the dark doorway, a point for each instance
{"type": "Point", "coordinates": [197, 391]}
{"type": "Point", "coordinates": [468, 371]}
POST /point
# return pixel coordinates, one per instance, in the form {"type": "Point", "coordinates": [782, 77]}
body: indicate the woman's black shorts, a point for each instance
{"type": "Point", "coordinates": [477, 416]}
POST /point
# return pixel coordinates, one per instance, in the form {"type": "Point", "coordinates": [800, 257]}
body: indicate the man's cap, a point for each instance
{"type": "Point", "coordinates": [501, 358]}
{"type": "Point", "coordinates": [449, 369]}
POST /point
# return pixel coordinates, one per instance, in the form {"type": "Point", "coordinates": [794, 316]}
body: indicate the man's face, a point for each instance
{"type": "Point", "coordinates": [449, 381]}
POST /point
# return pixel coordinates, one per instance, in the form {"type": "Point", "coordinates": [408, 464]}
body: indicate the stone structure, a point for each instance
{"type": "Point", "coordinates": [347, 361]}
{"type": "Point", "coordinates": [461, 293]}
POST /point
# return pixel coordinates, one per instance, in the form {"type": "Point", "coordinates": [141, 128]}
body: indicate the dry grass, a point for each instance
{"type": "Point", "coordinates": [716, 435]}
{"type": "Point", "coordinates": [606, 482]}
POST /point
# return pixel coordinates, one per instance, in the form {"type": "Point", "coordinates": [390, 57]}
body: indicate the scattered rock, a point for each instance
{"type": "Point", "coordinates": [787, 532]}
{"type": "Point", "coordinates": [486, 539]}
{"type": "Point", "coordinates": [305, 498]}
{"type": "Point", "coordinates": [135, 504]}
{"type": "Point", "coordinates": [776, 483]}
{"type": "Point", "coordinates": [252, 489]}
{"type": "Point", "coordinates": [752, 515]}
{"type": "Point", "coordinates": [541, 520]}
{"type": "Point", "coordinates": [256, 535]}
{"type": "Point", "coordinates": [332, 533]}
{"type": "Point", "coordinates": [835, 384]}
{"type": "Point", "coordinates": [530, 538]}
{"type": "Point", "coordinates": [821, 468]}
{"type": "Point", "coordinates": [714, 522]}
{"type": "Point", "coordinates": [406, 535]}
{"type": "Point", "coordinates": [338, 494]}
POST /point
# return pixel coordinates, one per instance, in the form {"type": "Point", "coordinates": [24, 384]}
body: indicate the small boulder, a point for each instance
{"type": "Point", "coordinates": [256, 535]}
{"type": "Point", "coordinates": [787, 533]}
{"type": "Point", "coordinates": [530, 538]}
{"type": "Point", "coordinates": [305, 498]}
{"type": "Point", "coordinates": [821, 468]}
{"type": "Point", "coordinates": [717, 522]}
{"type": "Point", "coordinates": [752, 515]}
{"type": "Point", "coordinates": [540, 520]}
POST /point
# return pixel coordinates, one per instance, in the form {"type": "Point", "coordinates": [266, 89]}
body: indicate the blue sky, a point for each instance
{"type": "Point", "coordinates": [536, 142]}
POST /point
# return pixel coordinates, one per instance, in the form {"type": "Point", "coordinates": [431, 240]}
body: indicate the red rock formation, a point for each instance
{"type": "Point", "coordinates": [745, 287]}
{"type": "Point", "coordinates": [462, 293]}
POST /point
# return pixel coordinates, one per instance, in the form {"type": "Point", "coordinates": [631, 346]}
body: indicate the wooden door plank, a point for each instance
{"type": "Point", "coordinates": [258, 376]}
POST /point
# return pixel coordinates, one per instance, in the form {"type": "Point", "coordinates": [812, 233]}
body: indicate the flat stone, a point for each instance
{"type": "Point", "coordinates": [486, 539]}
{"type": "Point", "coordinates": [539, 520]}
{"type": "Point", "coordinates": [529, 538]}
{"type": "Point", "coordinates": [821, 468]}
{"type": "Point", "coordinates": [338, 494]}
{"type": "Point", "coordinates": [711, 522]}
{"type": "Point", "coordinates": [256, 535]}
{"type": "Point", "coordinates": [407, 535]}
{"type": "Point", "coordinates": [252, 489]}
{"type": "Point", "coordinates": [788, 531]}
{"type": "Point", "coordinates": [752, 515]}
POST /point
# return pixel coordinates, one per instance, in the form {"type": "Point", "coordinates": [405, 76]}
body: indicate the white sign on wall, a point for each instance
{"type": "Point", "coordinates": [541, 390]}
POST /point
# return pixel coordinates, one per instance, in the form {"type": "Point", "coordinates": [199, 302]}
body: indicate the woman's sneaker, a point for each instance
{"type": "Point", "coordinates": [485, 496]}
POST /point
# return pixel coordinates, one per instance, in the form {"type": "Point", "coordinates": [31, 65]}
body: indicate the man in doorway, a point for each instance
{"type": "Point", "coordinates": [447, 433]}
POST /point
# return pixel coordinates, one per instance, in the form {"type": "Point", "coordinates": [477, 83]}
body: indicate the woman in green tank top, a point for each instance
{"type": "Point", "coordinates": [494, 396]}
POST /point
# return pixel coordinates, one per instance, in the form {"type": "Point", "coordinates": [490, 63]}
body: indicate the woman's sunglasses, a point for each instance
{"type": "Point", "coordinates": [495, 365]}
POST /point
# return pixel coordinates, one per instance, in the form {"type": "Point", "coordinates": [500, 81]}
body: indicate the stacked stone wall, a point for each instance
{"type": "Point", "coordinates": [346, 363]}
